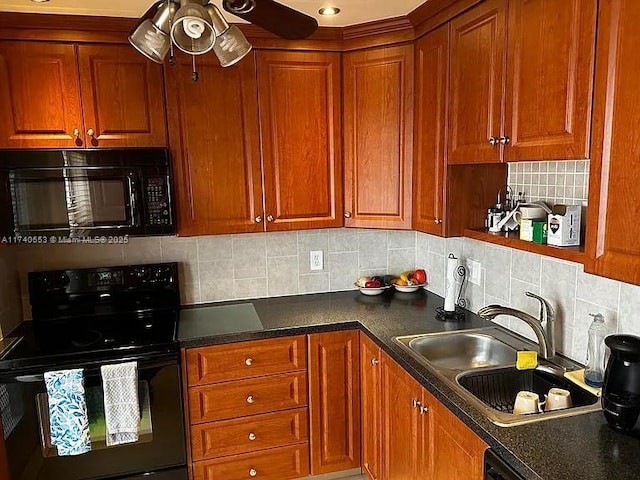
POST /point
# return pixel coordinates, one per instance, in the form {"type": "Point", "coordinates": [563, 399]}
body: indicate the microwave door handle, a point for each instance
{"type": "Point", "coordinates": [132, 200]}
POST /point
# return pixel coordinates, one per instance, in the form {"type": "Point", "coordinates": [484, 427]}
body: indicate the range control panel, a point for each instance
{"type": "Point", "coordinates": [157, 193]}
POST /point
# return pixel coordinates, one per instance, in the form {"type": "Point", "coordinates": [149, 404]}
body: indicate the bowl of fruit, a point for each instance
{"type": "Point", "coordinates": [410, 281]}
{"type": "Point", "coordinates": [371, 285]}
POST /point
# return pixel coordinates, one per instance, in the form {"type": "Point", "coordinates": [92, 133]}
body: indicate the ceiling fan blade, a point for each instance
{"type": "Point", "coordinates": [274, 17]}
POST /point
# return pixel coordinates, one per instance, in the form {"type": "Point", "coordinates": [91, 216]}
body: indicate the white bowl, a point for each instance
{"type": "Point", "coordinates": [371, 291]}
{"type": "Point", "coordinates": [408, 288]}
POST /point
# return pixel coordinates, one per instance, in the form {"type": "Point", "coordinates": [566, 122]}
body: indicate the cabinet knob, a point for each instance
{"type": "Point", "coordinates": [248, 362]}
{"type": "Point", "coordinates": [253, 472]}
{"type": "Point", "coordinates": [375, 361]}
{"type": "Point", "coordinates": [423, 409]}
{"type": "Point", "coordinates": [416, 403]}
{"type": "Point", "coordinates": [347, 214]}
{"type": "Point", "coordinates": [258, 219]}
{"type": "Point", "coordinates": [270, 218]}
{"type": "Point", "coordinates": [252, 436]}
{"type": "Point", "coordinates": [76, 132]}
{"type": "Point", "coordinates": [91, 132]}
{"type": "Point", "coordinates": [493, 141]}
{"type": "Point", "coordinates": [437, 221]}
{"type": "Point", "coordinates": [250, 399]}
{"type": "Point", "coordinates": [504, 140]}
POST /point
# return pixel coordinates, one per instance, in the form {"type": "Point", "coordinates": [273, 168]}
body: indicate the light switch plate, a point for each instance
{"type": "Point", "coordinates": [317, 260]}
{"type": "Point", "coordinates": [474, 270]}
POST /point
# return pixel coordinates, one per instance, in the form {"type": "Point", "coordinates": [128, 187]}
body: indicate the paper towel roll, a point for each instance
{"type": "Point", "coordinates": [451, 286]}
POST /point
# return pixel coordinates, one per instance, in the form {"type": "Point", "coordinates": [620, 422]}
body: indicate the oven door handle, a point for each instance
{"type": "Point", "coordinates": [133, 207]}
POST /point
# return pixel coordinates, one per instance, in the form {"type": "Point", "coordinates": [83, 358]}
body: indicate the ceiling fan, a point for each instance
{"type": "Point", "coordinates": [197, 27]}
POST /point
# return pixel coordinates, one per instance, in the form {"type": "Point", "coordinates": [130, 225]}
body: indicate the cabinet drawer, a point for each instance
{"type": "Point", "coordinates": [249, 434]}
{"type": "Point", "coordinates": [222, 363]}
{"type": "Point", "coordinates": [247, 397]}
{"type": "Point", "coordinates": [276, 464]}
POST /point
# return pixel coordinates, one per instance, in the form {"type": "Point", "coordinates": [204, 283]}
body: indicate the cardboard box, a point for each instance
{"type": "Point", "coordinates": [564, 225]}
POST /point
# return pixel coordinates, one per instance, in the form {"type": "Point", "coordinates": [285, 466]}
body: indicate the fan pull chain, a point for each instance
{"type": "Point", "coordinates": [195, 75]}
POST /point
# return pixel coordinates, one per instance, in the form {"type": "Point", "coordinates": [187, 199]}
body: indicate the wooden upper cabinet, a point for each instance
{"type": "Point", "coordinates": [457, 451]}
{"type": "Point", "coordinates": [378, 137]}
{"type": "Point", "coordinates": [549, 79]}
{"type": "Point", "coordinates": [334, 401]}
{"type": "Point", "coordinates": [300, 122]}
{"type": "Point", "coordinates": [613, 230]}
{"type": "Point", "coordinates": [215, 144]}
{"type": "Point", "coordinates": [478, 41]}
{"type": "Point", "coordinates": [371, 407]}
{"type": "Point", "coordinates": [39, 96]}
{"type": "Point", "coordinates": [429, 167]}
{"type": "Point", "coordinates": [122, 97]}
{"type": "Point", "coordinates": [402, 424]}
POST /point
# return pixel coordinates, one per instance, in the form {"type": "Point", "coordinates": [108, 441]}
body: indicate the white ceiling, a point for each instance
{"type": "Point", "coordinates": [352, 11]}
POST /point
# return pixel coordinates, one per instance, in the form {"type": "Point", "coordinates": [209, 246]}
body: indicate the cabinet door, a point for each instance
{"type": "Point", "coordinates": [613, 228]}
{"type": "Point", "coordinates": [122, 97]}
{"type": "Point", "coordinates": [432, 73]}
{"type": "Point", "coordinates": [39, 96]}
{"type": "Point", "coordinates": [300, 109]}
{"type": "Point", "coordinates": [334, 406]}
{"type": "Point", "coordinates": [478, 46]}
{"type": "Point", "coordinates": [215, 146]}
{"type": "Point", "coordinates": [401, 395]}
{"type": "Point", "coordinates": [550, 79]}
{"type": "Point", "coordinates": [458, 452]}
{"type": "Point", "coordinates": [371, 407]}
{"type": "Point", "coordinates": [378, 136]}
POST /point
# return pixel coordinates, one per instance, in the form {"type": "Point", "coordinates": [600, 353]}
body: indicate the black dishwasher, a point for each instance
{"type": "Point", "coordinates": [496, 469]}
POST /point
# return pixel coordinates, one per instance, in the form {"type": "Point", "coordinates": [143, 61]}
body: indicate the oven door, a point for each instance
{"type": "Point", "coordinates": [159, 452]}
{"type": "Point", "coordinates": [74, 200]}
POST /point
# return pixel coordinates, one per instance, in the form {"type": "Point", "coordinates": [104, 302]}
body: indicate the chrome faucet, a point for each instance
{"type": "Point", "coordinates": [543, 327]}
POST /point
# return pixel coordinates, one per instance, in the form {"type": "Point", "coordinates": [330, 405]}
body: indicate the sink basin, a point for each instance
{"type": "Point", "coordinates": [479, 365]}
{"type": "Point", "coordinates": [463, 351]}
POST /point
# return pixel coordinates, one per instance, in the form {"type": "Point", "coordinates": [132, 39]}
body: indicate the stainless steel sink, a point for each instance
{"type": "Point", "coordinates": [463, 351]}
{"type": "Point", "coordinates": [479, 365]}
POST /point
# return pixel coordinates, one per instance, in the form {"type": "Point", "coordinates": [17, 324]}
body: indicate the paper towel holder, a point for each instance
{"type": "Point", "coordinates": [459, 314]}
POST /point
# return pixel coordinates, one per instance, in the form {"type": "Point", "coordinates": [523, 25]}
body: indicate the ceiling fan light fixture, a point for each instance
{"type": "Point", "coordinates": [329, 11]}
{"type": "Point", "coordinates": [151, 37]}
{"type": "Point", "coordinates": [192, 30]}
{"type": "Point", "coordinates": [231, 47]}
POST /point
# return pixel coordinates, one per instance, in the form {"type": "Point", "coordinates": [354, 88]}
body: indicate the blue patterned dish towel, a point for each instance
{"type": "Point", "coordinates": [121, 404]}
{"type": "Point", "coordinates": [68, 412]}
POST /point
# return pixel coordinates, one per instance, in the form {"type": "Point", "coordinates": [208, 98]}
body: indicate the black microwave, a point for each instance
{"type": "Point", "coordinates": [86, 193]}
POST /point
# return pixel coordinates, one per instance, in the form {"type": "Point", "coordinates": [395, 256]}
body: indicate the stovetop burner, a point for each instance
{"type": "Point", "coordinates": [87, 338]}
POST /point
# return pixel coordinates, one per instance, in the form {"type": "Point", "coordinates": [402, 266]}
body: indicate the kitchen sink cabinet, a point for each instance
{"type": "Point", "coordinates": [541, 108]}
{"type": "Point", "coordinates": [300, 125]}
{"type": "Point", "coordinates": [429, 167]}
{"type": "Point", "coordinates": [334, 401]}
{"type": "Point", "coordinates": [62, 95]}
{"type": "Point", "coordinates": [371, 407]}
{"type": "Point", "coordinates": [378, 136]}
{"type": "Point", "coordinates": [612, 229]}
{"type": "Point", "coordinates": [215, 145]}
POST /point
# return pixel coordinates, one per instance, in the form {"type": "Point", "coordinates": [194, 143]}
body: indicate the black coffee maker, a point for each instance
{"type": "Point", "coordinates": [621, 389]}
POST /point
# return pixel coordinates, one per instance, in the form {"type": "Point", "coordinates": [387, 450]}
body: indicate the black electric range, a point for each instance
{"type": "Point", "coordinates": [84, 319]}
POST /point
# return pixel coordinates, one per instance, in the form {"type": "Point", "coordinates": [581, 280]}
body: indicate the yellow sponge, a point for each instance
{"type": "Point", "coordinates": [527, 360]}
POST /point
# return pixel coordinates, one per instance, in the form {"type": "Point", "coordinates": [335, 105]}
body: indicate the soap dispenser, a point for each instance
{"type": "Point", "coordinates": [594, 371]}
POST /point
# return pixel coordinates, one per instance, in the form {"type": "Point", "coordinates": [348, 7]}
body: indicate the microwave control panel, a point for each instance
{"type": "Point", "coordinates": [158, 208]}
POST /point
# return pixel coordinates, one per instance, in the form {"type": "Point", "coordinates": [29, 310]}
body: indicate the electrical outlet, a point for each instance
{"type": "Point", "coordinates": [474, 270]}
{"type": "Point", "coordinates": [317, 261]}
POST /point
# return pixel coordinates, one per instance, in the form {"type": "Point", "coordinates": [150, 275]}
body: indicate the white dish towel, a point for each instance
{"type": "Point", "coordinates": [121, 405]}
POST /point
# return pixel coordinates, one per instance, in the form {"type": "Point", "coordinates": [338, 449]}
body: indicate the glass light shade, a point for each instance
{"type": "Point", "coordinates": [231, 47]}
{"type": "Point", "coordinates": [150, 41]}
{"type": "Point", "coordinates": [192, 31]}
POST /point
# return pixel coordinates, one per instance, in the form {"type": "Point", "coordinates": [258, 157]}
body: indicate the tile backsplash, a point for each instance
{"type": "Point", "coordinates": [558, 181]}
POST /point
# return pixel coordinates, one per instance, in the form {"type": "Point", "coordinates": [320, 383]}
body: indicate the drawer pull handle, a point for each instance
{"type": "Point", "coordinates": [252, 436]}
{"type": "Point", "coordinates": [253, 472]}
{"type": "Point", "coordinates": [375, 361]}
{"type": "Point", "coordinates": [248, 362]}
{"type": "Point", "coordinates": [250, 399]}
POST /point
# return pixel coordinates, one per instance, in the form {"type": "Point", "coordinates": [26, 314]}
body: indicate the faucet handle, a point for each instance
{"type": "Point", "coordinates": [546, 310]}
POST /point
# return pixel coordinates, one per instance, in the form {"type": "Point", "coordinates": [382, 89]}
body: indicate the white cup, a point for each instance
{"type": "Point", "coordinates": [557, 399]}
{"type": "Point", "coordinates": [527, 402]}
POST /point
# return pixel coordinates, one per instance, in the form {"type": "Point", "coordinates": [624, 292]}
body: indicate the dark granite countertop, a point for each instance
{"type": "Point", "coordinates": [576, 448]}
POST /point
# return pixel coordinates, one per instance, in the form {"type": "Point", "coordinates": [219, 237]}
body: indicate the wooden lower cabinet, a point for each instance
{"type": "Point", "coordinates": [278, 464]}
{"type": "Point", "coordinates": [334, 401]}
{"type": "Point", "coordinates": [371, 407]}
